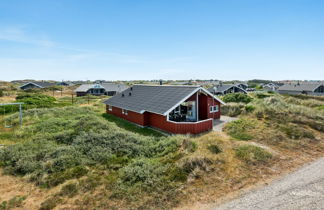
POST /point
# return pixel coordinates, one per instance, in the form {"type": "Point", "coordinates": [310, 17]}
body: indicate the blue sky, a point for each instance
{"type": "Point", "coordinates": [161, 39]}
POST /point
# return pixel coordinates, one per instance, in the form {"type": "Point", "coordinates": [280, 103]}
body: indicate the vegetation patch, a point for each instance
{"type": "Point", "coordinates": [14, 202]}
{"type": "Point", "coordinates": [232, 109]}
{"type": "Point", "coordinates": [61, 144]}
{"type": "Point", "coordinates": [252, 154]}
{"type": "Point", "coordinates": [215, 149]}
{"type": "Point", "coordinates": [240, 129]}
{"type": "Point", "coordinates": [237, 98]}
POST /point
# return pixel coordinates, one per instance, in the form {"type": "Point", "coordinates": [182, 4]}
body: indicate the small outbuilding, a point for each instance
{"type": "Point", "coordinates": [173, 109]}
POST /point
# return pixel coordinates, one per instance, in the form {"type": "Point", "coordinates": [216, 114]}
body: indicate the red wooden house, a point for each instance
{"type": "Point", "coordinates": [174, 109]}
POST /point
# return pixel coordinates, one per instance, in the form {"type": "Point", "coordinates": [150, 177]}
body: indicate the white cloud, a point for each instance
{"type": "Point", "coordinates": [21, 35]}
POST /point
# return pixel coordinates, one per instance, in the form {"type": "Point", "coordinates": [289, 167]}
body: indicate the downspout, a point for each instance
{"type": "Point", "coordinates": [197, 106]}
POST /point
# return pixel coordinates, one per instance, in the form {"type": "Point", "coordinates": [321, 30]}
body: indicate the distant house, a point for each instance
{"type": "Point", "coordinates": [36, 85]}
{"type": "Point", "coordinates": [244, 86]}
{"type": "Point", "coordinates": [302, 88]}
{"type": "Point", "coordinates": [270, 87]}
{"type": "Point", "coordinates": [173, 109]}
{"type": "Point", "coordinates": [65, 83]}
{"type": "Point", "coordinates": [109, 89]}
{"type": "Point", "coordinates": [224, 89]}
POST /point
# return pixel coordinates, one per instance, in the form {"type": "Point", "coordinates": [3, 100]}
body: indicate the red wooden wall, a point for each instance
{"type": "Point", "coordinates": [131, 116]}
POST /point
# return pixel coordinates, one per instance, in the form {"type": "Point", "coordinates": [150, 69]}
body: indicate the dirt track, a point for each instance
{"type": "Point", "coordinates": [302, 189]}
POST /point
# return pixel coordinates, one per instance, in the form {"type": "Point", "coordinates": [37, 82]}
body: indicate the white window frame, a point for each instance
{"type": "Point", "coordinates": [216, 108]}
{"type": "Point", "coordinates": [125, 111]}
{"type": "Point", "coordinates": [213, 109]}
{"type": "Point", "coordinates": [109, 108]}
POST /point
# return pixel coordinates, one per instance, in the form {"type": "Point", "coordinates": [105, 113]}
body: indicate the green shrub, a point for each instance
{"type": "Point", "coordinates": [1, 93]}
{"type": "Point", "coordinates": [190, 164]}
{"type": "Point", "coordinates": [232, 109]}
{"type": "Point", "coordinates": [69, 190]}
{"type": "Point", "coordinates": [249, 108]}
{"type": "Point", "coordinates": [240, 129]}
{"type": "Point", "coordinates": [90, 183]}
{"type": "Point", "coordinates": [237, 98]}
{"type": "Point", "coordinates": [50, 203]}
{"type": "Point", "coordinates": [214, 148]}
{"type": "Point", "coordinates": [252, 154]}
{"type": "Point", "coordinates": [261, 95]}
{"type": "Point", "coordinates": [296, 132]}
{"type": "Point", "coordinates": [144, 173]}
{"type": "Point", "coordinates": [62, 143]}
{"type": "Point", "coordinates": [57, 178]}
{"type": "Point", "coordinates": [36, 100]}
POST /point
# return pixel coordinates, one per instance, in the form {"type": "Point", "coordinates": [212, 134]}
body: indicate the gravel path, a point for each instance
{"type": "Point", "coordinates": [302, 189]}
{"type": "Point", "coordinates": [220, 123]}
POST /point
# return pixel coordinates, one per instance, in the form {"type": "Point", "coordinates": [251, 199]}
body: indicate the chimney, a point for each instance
{"type": "Point", "coordinates": [123, 94]}
{"type": "Point", "coordinates": [130, 94]}
{"type": "Point", "coordinates": [131, 88]}
{"type": "Point", "coordinates": [161, 82]}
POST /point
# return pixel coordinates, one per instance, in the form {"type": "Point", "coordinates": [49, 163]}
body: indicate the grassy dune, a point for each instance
{"type": "Point", "coordinates": [77, 157]}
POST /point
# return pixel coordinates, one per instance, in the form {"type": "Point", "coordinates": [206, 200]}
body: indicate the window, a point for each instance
{"type": "Point", "coordinates": [216, 108]}
{"type": "Point", "coordinates": [124, 111]}
{"type": "Point", "coordinates": [109, 108]}
{"type": "Point", "coordinates": [213, 109]}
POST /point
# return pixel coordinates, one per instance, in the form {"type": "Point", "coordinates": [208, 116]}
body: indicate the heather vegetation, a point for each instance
{"type": "Point", "coordinates": [61, 144]}
{"type": "Point", "coordinates": [277, 120]}
{"type": "Point", "coordinates": [93, 160]}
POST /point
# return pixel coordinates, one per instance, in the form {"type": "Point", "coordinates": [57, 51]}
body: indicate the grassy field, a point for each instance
{"type": "Point", "coordinates": [76, 157]}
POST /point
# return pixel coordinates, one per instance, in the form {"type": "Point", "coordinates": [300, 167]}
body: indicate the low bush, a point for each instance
{"type": "Point", "coordinates": [1, 93]}
{"type": "Point", "coordinates": [252, 154]}
{"type": "Point", "coordinates": [36, 100]}
{"type": "Point", "coordinates": [232, 109]}
{"type": "Point", "coordinates": [50, 203]}
{"type": "Point", "coordinates": [237, 98]}
{"type": "Point", "coordinates": [240, 129]}
{"type": "Point", "coordinates": [249, 108]}
{"type": "Point", "coordinates": [144, 173]}
{"type": "Point", "coordinates": [69, 190]}
{"type": "Point", "coordinates": [262, 95]}
{"type": "Point", "coordinates": [296, 132]}
{"type": "Point", "coordinates": [61, 144]}
{"type": "Point", "coordinates": [213, 148]}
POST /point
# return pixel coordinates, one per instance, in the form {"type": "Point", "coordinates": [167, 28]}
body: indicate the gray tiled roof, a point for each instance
{"type": "Point", "coordinates": [221, 88]}
{"type": "Point", "coordinates": [300, 87]}
{"type": "Point", "coordinates": [41, 84]}
{"type": "Point", "coordinates": [107, 86]}
{"type": "Point", "coordinates": [114, 87]}
{"type": "Point", "coordinates": [156, 99]}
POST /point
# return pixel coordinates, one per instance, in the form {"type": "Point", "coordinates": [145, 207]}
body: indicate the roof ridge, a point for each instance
{"type": "Point", "coordinates": [194, 86]}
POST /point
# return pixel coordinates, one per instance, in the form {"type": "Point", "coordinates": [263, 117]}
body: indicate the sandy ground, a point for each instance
{"type": "Point", "coordinates": [302, 189]}
{"type": "Point", "coordinates": [11, 187]}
